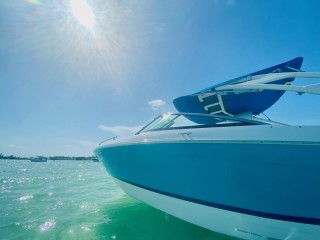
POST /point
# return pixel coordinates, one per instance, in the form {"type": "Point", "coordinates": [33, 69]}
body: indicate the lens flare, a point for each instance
{"type": "Point", "coordinates": [35, 2]}
{"type": "Point", "coordinates": [83, 12]}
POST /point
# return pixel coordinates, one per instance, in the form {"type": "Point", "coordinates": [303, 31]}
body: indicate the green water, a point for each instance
{"type": "Point", "coordinates": [79, 200]}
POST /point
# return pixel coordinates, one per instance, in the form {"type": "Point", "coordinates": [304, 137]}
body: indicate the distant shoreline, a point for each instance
{"type": "Point", "coordinates": [22, 159]}
{"type": "Point", "coordinates": [53, 158]}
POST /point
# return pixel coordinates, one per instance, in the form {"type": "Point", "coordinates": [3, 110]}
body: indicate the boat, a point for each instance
{"type": "Point", "coordinates": [95, 159]}
{"type": "Point", "coordinates": [218, 164]}
{"type": "Point", "coordinates": [38, 159]}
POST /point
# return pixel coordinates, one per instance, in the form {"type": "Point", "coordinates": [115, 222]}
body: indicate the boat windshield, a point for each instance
{"type": "Point", "coordinates": [193, 120]}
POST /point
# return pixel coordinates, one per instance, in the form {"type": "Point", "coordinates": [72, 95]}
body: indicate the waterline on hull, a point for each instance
{"type": "Point", "coordinates": [223, 221]}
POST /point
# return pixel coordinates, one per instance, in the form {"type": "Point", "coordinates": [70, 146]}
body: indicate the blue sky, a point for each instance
{"type": "Point", "coordinates": [65, 86]}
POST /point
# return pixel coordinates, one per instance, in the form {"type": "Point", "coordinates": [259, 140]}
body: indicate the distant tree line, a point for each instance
{"type": "Point", "coordinates": [2, 156]}
{"type": "Point", "coordinates": [69, 158]}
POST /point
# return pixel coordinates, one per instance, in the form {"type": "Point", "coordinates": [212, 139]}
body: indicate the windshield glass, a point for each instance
{"type": "Point", "coordinates": [188, 120]}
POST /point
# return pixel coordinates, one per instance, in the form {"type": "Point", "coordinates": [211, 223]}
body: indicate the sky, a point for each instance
{"type": "Point", "coordinates": [74, 73]}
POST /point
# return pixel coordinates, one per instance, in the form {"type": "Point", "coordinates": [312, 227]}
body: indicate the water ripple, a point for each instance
{"type": "Point", "coordinates": [70, 200]}
{"type": "Point", "coordinates": [25, 198]}
{"type": "Point", "coordinates": [47, 225]}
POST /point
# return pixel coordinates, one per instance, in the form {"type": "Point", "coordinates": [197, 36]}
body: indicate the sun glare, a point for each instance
{"type": "Point", "coordinates": [83, 12]}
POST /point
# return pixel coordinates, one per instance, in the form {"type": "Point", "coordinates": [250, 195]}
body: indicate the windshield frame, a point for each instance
{"type": "Point", "coordinates": [221, 118]}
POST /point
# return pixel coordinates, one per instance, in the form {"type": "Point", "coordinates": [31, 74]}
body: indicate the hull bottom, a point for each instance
{"type": "Point", "coordinates": [226, 222]}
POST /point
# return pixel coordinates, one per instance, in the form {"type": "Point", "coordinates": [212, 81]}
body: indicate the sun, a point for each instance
{"type": "Point", "coordinates": [83, 12]}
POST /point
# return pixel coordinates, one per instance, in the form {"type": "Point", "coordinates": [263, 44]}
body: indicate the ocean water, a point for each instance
{"type": "Point", "coordinates": [79, 200]}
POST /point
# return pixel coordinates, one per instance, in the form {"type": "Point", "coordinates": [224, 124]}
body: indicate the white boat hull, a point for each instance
{"type": "Point", "coordinates": [226, 222]}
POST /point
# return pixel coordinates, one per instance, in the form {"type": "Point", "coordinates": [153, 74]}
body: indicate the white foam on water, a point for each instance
{"type": "Point", "coordinates": [47, 225]}
{"type": "Point", "coordinates": [25, 198]}
{"type": "Point", "coordinates": [85, 228]}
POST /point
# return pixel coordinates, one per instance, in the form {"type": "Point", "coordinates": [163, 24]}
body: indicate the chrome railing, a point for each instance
{"type": "Point", "coordinates": [109, 139]}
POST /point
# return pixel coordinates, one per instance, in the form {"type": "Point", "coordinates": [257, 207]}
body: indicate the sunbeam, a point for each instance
{"type": "Point", "coordinates": [83, 12]}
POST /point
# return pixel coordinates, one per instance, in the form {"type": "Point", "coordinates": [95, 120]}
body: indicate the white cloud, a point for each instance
{"type": "Point", "coordinates": [156, 104]}
{"type": "Point", "coordinates": [121, 130]}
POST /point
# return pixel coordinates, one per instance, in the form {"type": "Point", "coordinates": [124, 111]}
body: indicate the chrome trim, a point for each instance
{"type": "Point", "coordinates": [113, 138]}
{"type": "Point", "coordinates": [201, 141]}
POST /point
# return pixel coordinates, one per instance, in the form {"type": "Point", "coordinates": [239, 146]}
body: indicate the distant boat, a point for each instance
{"type": "Point", "coordinates": [95, 159]}
{"type": "Point", "coordinates": [219, 166]}
{"type": "Point", "coordinates": [39, 159]}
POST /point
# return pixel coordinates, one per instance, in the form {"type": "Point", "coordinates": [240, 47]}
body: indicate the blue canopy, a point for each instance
{"type": "Point", "coordinates": [212, 101]}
